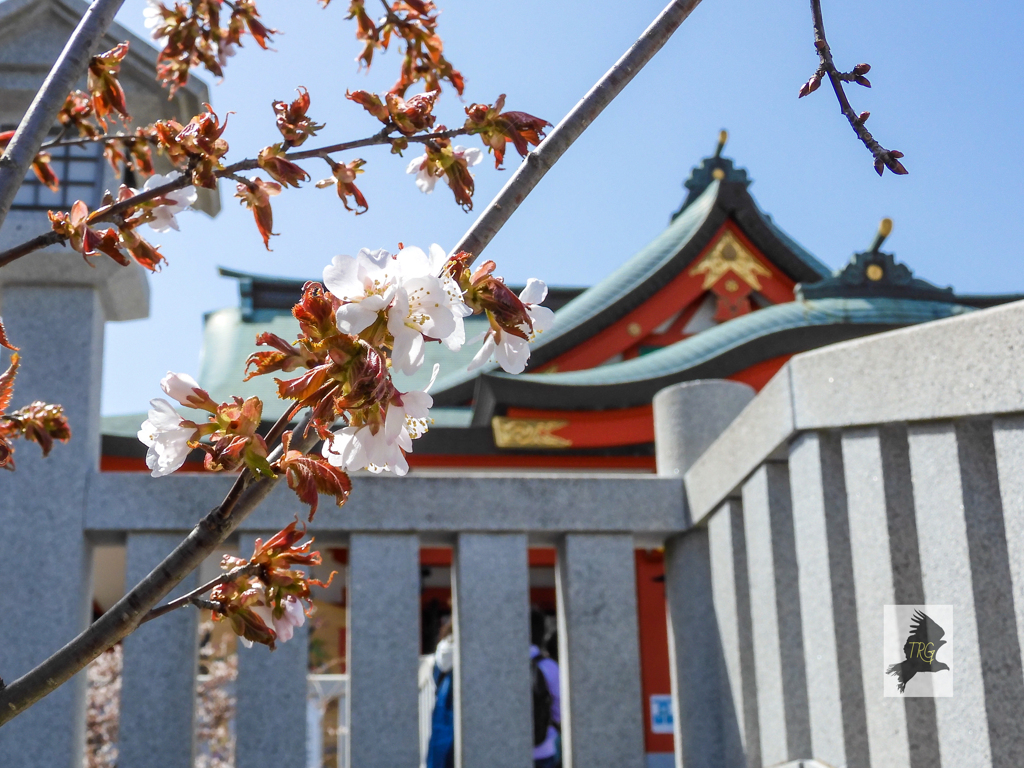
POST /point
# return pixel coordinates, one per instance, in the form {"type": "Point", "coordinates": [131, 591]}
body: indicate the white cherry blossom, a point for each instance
{"type": "Point", "coordinates": [426, 304]}
{"type": "Point", "coordinates": [427, 173]}
{"type": "Point", "coordinates": [284, 627]}
{"type": "Point", "coordinates": [512, 352]}
{"type": "Point", "coordinates": [366, 283]}
{"type": "Point", "coordinates": [293, 617]}
{"type": "Point", "coordinates": [354, 448]}
{"type": "Point", "coordinates": [166, 438]}
{"type": "Point", "coordinates": [407, 418]}
{"type": "Point", "coordinates": [163, 216]}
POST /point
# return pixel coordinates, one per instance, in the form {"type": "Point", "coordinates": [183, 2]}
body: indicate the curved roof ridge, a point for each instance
{"type": "Point", "coordinates": [711, 343]}
{"type": "Point", "coordinates": [809, 258]}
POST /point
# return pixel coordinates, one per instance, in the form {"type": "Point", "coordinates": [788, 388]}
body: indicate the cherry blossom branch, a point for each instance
{"type": "Point", "coordinates": [191, 597]}
{"type": "Point", "coordinates": [884, 158]}
{"type": "Point", "coordinates": [123, 618]}
{"type": "Point", "coordinates": [66, 71]}
{"type": "Point", "coordinates": [248, 492]}
{"type": "Point", "coordinates": [127, 138]}
{"type": "Point", "coordinates": [540, 161]}
{"type": "Point", "coordinates": [111, 212]}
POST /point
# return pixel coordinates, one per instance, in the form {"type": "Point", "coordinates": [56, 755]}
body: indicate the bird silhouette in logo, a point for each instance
{"type": "Point", "coordinates": [923, 643]}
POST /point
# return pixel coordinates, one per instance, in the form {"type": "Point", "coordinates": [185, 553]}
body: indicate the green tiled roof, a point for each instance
{"type": "Point", "coordinates": [716, 341]}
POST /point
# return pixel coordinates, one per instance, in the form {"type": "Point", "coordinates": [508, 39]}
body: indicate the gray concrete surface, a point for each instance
{"type": "Point", "coordinates": [492, 639]}
{"type": "Point", "coordinates": [158, 688]}
{"type": "Point", "coordinates": [602, 725]}
{"type": "Point", "coordinates": [383, 649]}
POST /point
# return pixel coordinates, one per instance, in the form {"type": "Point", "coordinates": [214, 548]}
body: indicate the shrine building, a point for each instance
{"type": "Point", "coordinates": [723, 292]}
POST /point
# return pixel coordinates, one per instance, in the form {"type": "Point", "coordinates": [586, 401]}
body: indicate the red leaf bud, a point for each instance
{"type": "Point", "coordinates": [862, 69]}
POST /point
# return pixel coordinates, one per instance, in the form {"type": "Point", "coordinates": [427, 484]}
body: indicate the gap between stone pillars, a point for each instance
{"type": "Point", "coordinates": [383, 650]}
{"type": "Point", "coordinates": [493, 699]}
{"type": "Point", "coordinates": [270, 724]}
{"type": "Point", "coordinates": [599, 651]}
{"type": "Point", "coordinates": [158, 684]}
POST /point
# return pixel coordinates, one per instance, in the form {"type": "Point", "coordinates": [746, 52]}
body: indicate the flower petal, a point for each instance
{"type": "Point", "coordinates": [535, 291]}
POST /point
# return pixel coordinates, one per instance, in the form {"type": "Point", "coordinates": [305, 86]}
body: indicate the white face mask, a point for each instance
{"type": "Point", "coordinates": [444, 656]}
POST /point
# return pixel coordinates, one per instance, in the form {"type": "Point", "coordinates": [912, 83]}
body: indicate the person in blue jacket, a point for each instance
{"type": "Point", "coordinates": [441, 749]}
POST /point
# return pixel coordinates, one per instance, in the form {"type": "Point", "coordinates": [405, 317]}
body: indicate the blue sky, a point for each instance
{"type": "Point", "coordinates": [946, 93]}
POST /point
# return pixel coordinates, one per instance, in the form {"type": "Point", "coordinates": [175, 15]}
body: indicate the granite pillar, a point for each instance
{"type": "Point", "coordinates": [158, 684]}
{"type": "Point", "coordinates": [874, 474]}
{"type": "Point", "coordinates": [60, 332]}
{"type": "Point", "coordinates": [688, 417]}
{"type": "Point", "coordinates": [835, 693]}
{"type": "Point", "coordinates": [383, 650]}
{"type": "Point", "coordinates": [271, 719]}
{"type": "Point", "coordinates": [602, 724]}
{"type": "Point", "coordinates": [965, 564]}
{"type": "Point", "coordinates": [492, 639]}
{"type": "Point", "coordinates": [731, 592]}
{"type": "Point", "coordinates": [1008, 433]}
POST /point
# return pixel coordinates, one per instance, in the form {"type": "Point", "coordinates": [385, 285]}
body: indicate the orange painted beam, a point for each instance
{"type": "Point", "coordinates": [654, 659]}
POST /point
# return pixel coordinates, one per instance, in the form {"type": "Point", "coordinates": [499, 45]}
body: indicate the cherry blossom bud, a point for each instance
{"type": "Point", "coordinates": [862, 69]}
{"type": "Point", "coordinates": [186, 390]}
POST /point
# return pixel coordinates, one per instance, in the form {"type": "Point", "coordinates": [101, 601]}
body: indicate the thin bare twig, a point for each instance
{"type": "Point", "coordinates": [111, 212]}
{"type": "Point", "coordinates": [190, 598]}
{"type": "Point", "coordinates": [127, 138]}
{"type": "Point", "coordinates": [884, 158]}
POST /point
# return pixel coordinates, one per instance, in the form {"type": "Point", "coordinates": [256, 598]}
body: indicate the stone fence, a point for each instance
{"type": "Point", "coordinates": [888, 470]}
{"type": "Point", "coordinates": [883, 471]}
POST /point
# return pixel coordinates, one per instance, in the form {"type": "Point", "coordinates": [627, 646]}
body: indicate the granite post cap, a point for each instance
{"type": "Point", "coordinates": [124, 291]}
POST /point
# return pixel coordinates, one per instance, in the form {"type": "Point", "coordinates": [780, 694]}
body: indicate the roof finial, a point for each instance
{"type": "Point", "coordinates": [884, 228]}
{"type": "Point", "coordinates": [723, 136]}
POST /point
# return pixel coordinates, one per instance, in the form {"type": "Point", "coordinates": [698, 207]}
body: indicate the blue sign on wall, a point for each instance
{"type": "Point", "coordinates": [661, 713]}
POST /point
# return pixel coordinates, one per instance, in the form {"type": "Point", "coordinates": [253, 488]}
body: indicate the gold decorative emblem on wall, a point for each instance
{"type": "Point", "coordinates": [730, 255]}
{"type": "Point", "coordinates": [528, 433]}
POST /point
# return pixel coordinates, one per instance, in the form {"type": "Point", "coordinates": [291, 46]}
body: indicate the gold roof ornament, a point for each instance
{"type": "Point", "coordinates": [728, 254]}
{"type": "Point", "coordinates": [528, 433]}
{"type": "Point", "coordinates": [723, 136]}
{"type": "Point", "coordinates": [884, 230]}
